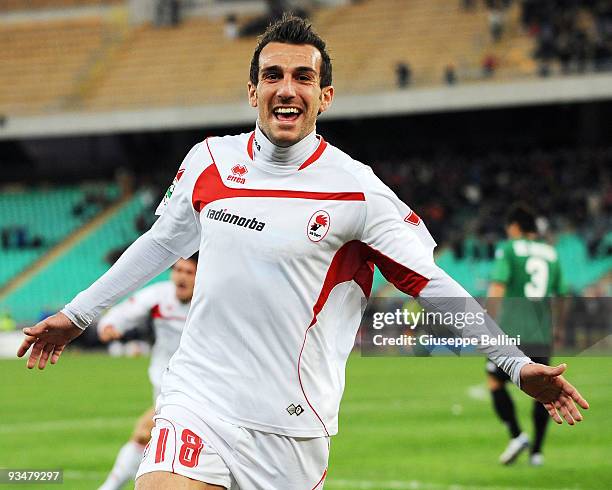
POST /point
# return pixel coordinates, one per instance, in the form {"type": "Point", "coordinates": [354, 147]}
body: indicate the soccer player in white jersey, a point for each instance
{"type": "Point", "coordinates": [290, 228]}
{"type": "Point", "coordinates": [166, 305]}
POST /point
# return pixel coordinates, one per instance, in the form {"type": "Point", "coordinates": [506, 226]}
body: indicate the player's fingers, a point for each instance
{"type": "Point", "coordinates": [571, 406]}
{"type": "Point", "coordinates": [550, 408]}
{"type": "Point", "coordinates": [57, 352]}
{"type": "Point", "coordinates": [44, 356]}
{"type": "Point", "coordinates": [572, 392]}
{"type": "Point", "coordinates": [36, 330]}
{"type": "Point", "coordinates": [35, 353]}
{"type": "Point", "coordinates": [562, 409]}
{"type": "Point", "coordinates": [25, 345]}
{"type": "Point", "coordinates": [556, 370]}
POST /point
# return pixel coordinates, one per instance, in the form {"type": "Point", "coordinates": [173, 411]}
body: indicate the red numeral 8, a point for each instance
{"type": "Point", "coordinates": [191, 448]}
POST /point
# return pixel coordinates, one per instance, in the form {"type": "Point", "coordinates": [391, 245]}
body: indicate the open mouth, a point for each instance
{"type": "Point", "coordinates": [287, 114]}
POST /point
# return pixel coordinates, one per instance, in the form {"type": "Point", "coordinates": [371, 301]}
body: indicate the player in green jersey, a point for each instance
{"type": "Point", "coordinates": [526, 274]}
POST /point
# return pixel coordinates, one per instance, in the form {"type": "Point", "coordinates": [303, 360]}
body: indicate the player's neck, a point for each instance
{"type": "Point", "coordinates": [291, 157]}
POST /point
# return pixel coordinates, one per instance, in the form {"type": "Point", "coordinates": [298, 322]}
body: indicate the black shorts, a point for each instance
{"type": "Point", "coordinates": [493, 370]}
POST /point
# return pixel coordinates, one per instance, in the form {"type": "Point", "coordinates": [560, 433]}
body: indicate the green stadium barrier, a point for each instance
{"type": "Point", "coordinates": [62, 279]}
{"type": "Point", "coordinates": [47, 213]}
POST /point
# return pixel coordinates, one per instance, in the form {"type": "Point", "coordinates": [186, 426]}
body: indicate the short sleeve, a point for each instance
{"type": "Point", "coordinates": [400, 244]}
{"type": "Point", "coordinates": [178, 227]}
{"type": "Point", "coordinates": [501, 264]}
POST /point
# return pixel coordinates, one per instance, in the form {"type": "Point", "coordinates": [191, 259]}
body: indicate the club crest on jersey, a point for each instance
{"type": "Point", "coordinates": [318, 226]}
{"type": "Point", "coordinates": [238, 173]}
{"type": "Point", "coordinates": [413, 219]}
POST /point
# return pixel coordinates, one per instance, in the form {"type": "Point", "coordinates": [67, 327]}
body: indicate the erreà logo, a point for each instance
{"type": "Point", "coordinates": [234, 219]}
{"type": "Point", "coordinates": [238, 172]}
{"type": "Point", "coordinates": [318, 226]}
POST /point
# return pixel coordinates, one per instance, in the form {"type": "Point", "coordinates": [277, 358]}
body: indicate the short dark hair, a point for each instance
{"type": "Point", "coordinates": [523, 216]}
{"type": "Point", "coordinates": [194, 257]}
{"type": "Point", "coordinates": [292, 30]}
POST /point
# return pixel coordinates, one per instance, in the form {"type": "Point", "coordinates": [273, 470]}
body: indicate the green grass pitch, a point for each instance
{"type": "Point", "coordinates": [405, 423]}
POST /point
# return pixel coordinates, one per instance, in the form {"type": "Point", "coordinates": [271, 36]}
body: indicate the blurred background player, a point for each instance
{"type": "Point", "coordinates": [526, 273]}
{"type": "Point", "coordinates": [165, 305]}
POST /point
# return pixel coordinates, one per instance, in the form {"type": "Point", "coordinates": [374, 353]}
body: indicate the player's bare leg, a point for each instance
{"type": "Point", "coordinates": [162, 480]}
{"type": "Point", "coordinates": [130, 455]}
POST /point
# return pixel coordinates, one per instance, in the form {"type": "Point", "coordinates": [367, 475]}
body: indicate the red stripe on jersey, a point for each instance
{"type": "Point", "coordinates": [315, 156]}
{"type": "Point", "coordinates": [311, 159]}
{"type": "Point", "coordinates": [349, 263]}
{"type": "Point", "coordinates": [249, 145]}
{"type": "Point", "coordinates": [209, 188]}
{"type": "Point", "coordinates": [156, 312]}
{"type": "Point", "coordinates": [321, 480]}
{"type": "Point", "coordinates": [402, 277]}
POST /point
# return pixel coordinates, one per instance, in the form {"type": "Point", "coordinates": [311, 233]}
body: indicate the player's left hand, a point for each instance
{"type": "Point", "coordinates": [559, 397]}
{"type": "Point", "coordinates": [48, 340]}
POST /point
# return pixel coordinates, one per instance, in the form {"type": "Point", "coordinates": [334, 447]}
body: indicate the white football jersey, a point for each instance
{"type": "Point", "coordinates": [287, 255]}
{"type": "Point", "coordinates": [159, 304]}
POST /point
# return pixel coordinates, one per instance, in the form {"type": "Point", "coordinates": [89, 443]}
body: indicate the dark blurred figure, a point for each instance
{"type": "Point", "coordinates": [403, 74]}
{"type": "Point", "coordinates": [450, 75]}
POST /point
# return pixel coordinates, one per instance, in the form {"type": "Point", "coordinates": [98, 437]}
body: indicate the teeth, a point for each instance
{"type": "Point", "coordinates": [287, 110]}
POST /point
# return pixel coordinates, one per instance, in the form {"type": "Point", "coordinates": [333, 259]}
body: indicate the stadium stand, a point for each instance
{"type": "Point", "coordinates": [32, 221]}
{"type": "Point", "coordinates": [77, 268]}
{"type": "Point", "coordinates": [19, 5]}
{"type": "Point", "coordinates": [92, 63]}
{"type": "Point", "coordinates": [41, 72]}
{"type": "Point", "coordinates": [180, 65]}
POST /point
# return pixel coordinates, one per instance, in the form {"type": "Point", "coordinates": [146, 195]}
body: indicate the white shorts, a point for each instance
{"type": "Point", "coordinates": [220, 453]}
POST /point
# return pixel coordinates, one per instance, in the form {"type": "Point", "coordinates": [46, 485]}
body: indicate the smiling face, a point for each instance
{"type": "Point", "coordinates": [288, 93]}
{"type": "Point", "coordinates": [183, 276]}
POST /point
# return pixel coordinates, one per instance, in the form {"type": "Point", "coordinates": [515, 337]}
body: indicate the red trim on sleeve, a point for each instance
{"type": "Point", "coordinates": [209, 188]}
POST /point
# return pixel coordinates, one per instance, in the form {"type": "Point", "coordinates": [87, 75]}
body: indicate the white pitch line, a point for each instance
{"type": "Point", "coordinates": [417, 485]}
{"type": "Point", "coordinates": [67, 424]}
{"type": "Point", "coordinates": [349, 484]}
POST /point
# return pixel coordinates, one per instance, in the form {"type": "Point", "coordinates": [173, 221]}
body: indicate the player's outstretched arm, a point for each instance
{"type": "Point", "coordinates": [559, 397]}
{"type": "Point", "coordinates": [141, 262]}
{"type": "Point", "coordinates": [48, 340]}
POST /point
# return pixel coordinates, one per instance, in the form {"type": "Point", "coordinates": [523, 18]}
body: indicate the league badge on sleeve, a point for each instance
{"type": "Point", "coordinates": [169, 192]}
{"type": "Point", "coordinates": [318, 226]}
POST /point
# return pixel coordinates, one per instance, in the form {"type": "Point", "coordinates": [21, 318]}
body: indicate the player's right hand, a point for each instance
{"type": "Point", "coordinates": [108, 333]}
{"type": "Point", "coordinates": [48, 340]}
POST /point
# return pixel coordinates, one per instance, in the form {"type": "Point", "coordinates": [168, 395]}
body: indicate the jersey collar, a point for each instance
{"type": "Point", "coordinates": [276, 159]}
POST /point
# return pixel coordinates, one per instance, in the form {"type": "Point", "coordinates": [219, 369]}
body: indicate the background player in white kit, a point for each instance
{"type": "Point", "coordinates": [290, 229]}
{"type": "Point", "coordinates": [166, 305]}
